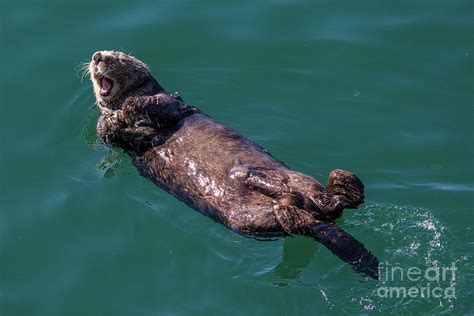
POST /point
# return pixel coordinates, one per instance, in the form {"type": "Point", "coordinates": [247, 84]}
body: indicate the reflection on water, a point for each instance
{"type": "Point", "coordinates": [297, 254]}
{"type": "Point", "coordinates": [108, 165]}
{"type": "Point", "coordinates": [406, 237]}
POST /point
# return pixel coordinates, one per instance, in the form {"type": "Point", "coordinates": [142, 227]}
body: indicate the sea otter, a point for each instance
{"type": "Point", "coordinates": [214, 169]}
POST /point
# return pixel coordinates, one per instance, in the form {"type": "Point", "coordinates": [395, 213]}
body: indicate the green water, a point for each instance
{"type": "Point", "coordinates": [385, 89]}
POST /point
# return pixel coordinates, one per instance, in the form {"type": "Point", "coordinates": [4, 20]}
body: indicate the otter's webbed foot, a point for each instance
{"type": "Point", "coordinates": [344, 190]}
{"type": "Point", "coordinates": [275, 184]}
{"type": "Point", "coordinates": [268, 181]}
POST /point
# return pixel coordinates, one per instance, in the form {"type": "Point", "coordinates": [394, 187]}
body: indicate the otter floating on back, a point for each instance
{"type": "Point", "coordinates": [214, 169]}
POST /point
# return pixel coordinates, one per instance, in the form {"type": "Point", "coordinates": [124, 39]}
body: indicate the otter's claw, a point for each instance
{"type": "Point", "coordinates": [177, 96]}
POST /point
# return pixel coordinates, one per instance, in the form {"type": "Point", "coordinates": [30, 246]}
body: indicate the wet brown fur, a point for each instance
{"type": "Point", "coordinates": [217, 171]}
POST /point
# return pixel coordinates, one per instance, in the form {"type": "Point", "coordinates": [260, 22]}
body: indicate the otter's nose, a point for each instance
{"type": "Point", "coordinates": [97, 57]}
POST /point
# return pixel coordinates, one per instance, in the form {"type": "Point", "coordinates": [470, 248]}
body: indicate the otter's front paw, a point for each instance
{"type": "Point", "coordinates": [129, 110]}
{"type": "Point", "coordinates": [109, 127]}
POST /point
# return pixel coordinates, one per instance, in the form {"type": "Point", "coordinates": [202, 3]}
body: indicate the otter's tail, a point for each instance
{"type": "Point", "coordinates": [346, 248]}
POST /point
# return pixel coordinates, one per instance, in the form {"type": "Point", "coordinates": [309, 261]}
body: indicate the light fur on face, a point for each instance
{"type": "Point", "coordinates": [114, 74]}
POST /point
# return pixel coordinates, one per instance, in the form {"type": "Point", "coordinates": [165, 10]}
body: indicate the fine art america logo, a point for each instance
{"type": "Point", "coordinates": [431, 282]}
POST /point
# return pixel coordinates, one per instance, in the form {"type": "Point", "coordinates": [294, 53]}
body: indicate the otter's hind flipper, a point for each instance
{"type": "Point", "coordinates": [276, 184]}
{"type": "Point", "coordinates": [345, 247]}
{"type": "Point", "coordinates": [344, 190]}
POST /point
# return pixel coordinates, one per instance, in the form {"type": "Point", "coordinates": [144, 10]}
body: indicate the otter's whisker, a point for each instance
{"type": "Point", "coordinates": [86, 72]}
{"type": "Point", "coordinates": [81, 65]}
{"type": "Point", "coordinates": [78, 69]}
{"type": "Point", "coordinates": [82, 70]}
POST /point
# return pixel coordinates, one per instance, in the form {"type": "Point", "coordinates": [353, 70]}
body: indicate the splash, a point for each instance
{"type": "Point", "coordinates": [404, 237]}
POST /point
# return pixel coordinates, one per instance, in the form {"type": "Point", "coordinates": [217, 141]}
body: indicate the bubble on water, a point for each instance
{"type": "Point", "coordinates": [402, 236]}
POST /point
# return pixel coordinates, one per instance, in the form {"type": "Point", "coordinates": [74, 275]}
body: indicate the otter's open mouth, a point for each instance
{"type": "Point", "coordinates": [106, 85]}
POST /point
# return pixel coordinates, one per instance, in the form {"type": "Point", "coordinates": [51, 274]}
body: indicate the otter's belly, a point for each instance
{"type": "Point", "coordinates": [195, 165]}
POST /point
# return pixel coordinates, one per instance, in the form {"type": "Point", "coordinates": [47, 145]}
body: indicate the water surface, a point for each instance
{"type": "Point", "coordinates": [382, 89]}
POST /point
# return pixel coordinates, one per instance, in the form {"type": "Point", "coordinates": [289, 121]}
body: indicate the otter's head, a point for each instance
{"type": "Point", "coordinates": [116, 75]}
